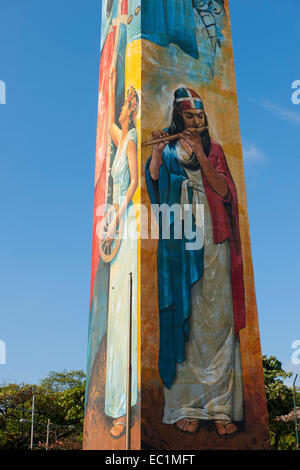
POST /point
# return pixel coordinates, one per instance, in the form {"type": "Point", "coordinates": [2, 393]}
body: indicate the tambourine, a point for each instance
{"type": "Point", "coordinates": [109, 250]}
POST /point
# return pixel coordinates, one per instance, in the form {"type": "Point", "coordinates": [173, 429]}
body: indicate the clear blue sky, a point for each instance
{"type": "Point", "coordinates": [50, 61]}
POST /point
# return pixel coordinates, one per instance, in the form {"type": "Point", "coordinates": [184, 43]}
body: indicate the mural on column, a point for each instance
{"type": "Point", "coordinates": [115, 241]}
{"type": "Point", "coordinates": [201, 383]}
{"type": "Point", "coordinates": [211, 383]}
{"type": "Point", "coordinates": [201, 290]}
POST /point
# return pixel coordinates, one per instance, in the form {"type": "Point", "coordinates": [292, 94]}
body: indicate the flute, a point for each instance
{"type": "Point", "coordinates": [169, 138]}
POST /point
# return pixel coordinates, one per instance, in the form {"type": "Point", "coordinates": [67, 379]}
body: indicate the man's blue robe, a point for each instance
{"type": "Point", "coordinates": [178, 269]}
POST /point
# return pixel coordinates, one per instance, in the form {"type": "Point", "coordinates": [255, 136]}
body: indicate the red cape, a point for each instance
{"type": "Point", "coordinates": [225, 222]}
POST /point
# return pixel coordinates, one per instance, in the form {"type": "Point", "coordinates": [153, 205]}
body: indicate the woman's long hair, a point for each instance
{"type": "Point", "coordinates": [109, 5]}
{"type": "Point", "coordinates": [134, 103]}
{"type": "Point", "coordinates": [177, 126]}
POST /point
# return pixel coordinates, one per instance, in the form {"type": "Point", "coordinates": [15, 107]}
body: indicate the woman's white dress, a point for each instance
{"type": "Point", "coordinates": [208, 384]}
{"type": "Point", "coordinates": [124, 263]}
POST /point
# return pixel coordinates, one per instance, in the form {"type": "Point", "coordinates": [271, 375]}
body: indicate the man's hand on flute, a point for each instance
{"type": "Point", "coordinates": [156, 159]}
{"type": "Point", "coordinates": [192, 139]}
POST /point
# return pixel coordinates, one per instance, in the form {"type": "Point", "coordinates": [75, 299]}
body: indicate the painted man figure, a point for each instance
{"type": "Point", "coordinates": [201, 292]}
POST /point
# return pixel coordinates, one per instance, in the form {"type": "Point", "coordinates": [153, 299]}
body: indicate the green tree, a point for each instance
{"type": "Point", "coordinates": [60, 381]}
{"type": "Point", "coordinates": [71, 402]}
{"type": "Point", "coordinates": [280, 402]}
{"type": "Point", "coordinates": [13, 401]}
{"type": "Point", "coordinates": [59, 397]}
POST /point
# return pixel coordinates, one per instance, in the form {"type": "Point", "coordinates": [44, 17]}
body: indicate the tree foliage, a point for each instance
{"type": "Point", "coordinates": [59, 398]}
{"type": "Point", "coordinates": [61, 381]}
{"type": "Point", "coordinates": [280, 402]}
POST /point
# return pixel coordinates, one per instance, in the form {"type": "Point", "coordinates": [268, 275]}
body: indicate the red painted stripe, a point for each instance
{"type": "Point", "coordinates": [124, 8]}
{"type": "Point", "coordinates": [101, 146]}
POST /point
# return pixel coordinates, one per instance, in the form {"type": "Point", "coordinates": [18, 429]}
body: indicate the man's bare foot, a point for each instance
{"type": "Point", "coordinates": [188, 426]}
{"type": "Point", "coordinates": [118, 428]}
{"type": "Point", "coordinates": [225, 429]}
{"type": "Point", "coordinates": [230, 428]}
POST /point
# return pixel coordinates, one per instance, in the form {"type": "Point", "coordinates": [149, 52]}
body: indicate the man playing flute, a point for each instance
{"type": "Point", "coordinates": [201, 291]}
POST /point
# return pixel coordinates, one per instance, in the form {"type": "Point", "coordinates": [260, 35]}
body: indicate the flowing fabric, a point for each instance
{"type": "Point", "coordinates": [208, 384]}
{"type": "Point", "coordinates": [179, 269]}
{"type": "Point", "coordinates": [170, 21]}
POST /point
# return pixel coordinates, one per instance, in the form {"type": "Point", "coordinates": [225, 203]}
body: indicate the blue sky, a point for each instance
{"type": "Point", "coordinates": [50, 61]}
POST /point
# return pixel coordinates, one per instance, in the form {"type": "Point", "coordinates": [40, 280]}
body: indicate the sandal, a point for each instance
{"type": "Point", "coordinates": [225, 435]}
{"type": "Point", "coordinates": [189, 420]}
{"type": "Point", "coordinates": [118, 423]}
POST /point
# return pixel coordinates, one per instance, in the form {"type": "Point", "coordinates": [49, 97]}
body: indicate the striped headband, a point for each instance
{"type": "Point", "coordinates": [189, 98]}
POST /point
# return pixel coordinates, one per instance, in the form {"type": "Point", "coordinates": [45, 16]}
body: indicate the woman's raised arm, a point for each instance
{"type": "Point", "coordinates": [114, 130]}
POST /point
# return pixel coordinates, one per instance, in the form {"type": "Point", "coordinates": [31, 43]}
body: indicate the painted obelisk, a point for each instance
{"type": "Point", "coordinates": [174, 357]}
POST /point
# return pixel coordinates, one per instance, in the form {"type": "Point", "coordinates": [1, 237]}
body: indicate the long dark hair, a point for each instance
{"type": "Point", "coordinates": [177, 126]}
{"type": "Point", "coordinates": [109, 5]}
{"type": "Point", "coordinates": [134, 103]}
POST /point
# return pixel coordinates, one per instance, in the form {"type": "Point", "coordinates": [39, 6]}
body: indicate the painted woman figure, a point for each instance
{"type": "Point", "coordinates": [201, 292]}
{"type": "Point", "coordinates": [124, 173]}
